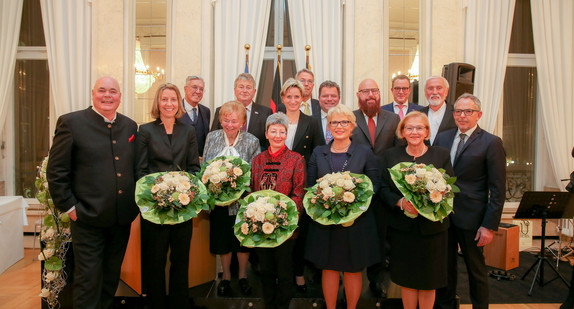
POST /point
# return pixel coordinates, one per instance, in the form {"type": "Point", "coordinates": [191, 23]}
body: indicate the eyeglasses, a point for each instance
{"type": "Point", "coordinates": [403, 89]}
{"type": "Point", "coordinates": [275, 133]}
{"type": "Point", "coordinates": [467, 112]}
{"type": "Point", "coordinates": [343, 123]}
{"type": "Point", "coordinates": [241, 88]}
{"type": "Point", "coordinates": [196, 89]}
{"type": "Point", "coordinates": [418, 129]}
{"type": "Point", "coordinates": [374, 91]}
{"type": "Point", "coordinates": [306, 81]}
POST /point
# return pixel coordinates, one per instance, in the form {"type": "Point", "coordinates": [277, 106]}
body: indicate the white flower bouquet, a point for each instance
{"type": "Point", "coordinates": [266, 219]}
{"type": "Point", "coordinates": [338, 198]}
{"type": "Point", "coordinates": [170, 197]}
{"type": "Point", "coordinates": [430, 190]}
{"type": "Point", "coordinates": [55, 237]}
{"type": "Point", "coordinates": [226, 178]}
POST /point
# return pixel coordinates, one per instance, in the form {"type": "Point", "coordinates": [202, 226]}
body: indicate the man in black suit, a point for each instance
{"type": "Point", "coordinates": [438, 111]}
{"type": "Point", "coordinates": [197, 115]}
{"type": "Point", "coordinates": [309, 106]}
{"type": "Point", "coordinates": [401, 90]}
{"type": "Point", "coordinates": [244, 88]}
{"type": "Point", "coordinates": [376, 128]}
{"type": "Point", "coordinates": [329, 97]}
{"type": "Point", "coordinates": [479, 164]}
{"type": "Point", "coordinates": [91, 177]}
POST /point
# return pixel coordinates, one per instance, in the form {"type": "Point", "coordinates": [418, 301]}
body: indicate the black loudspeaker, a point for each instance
{"type": "Point", "coordinates": [460, 77]}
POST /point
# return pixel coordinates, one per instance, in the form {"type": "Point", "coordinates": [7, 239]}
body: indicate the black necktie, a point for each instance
{"type": "Point", "coordinates": [194, 114]}
{"type": "Point", "coordinates": [460, 145]}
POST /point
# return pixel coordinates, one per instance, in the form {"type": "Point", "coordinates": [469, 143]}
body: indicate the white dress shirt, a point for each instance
{"type": "Point", "coordinates": [435, 118]}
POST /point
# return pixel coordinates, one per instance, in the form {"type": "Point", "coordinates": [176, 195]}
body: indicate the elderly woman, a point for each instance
{"type": "Point", "coordinates": [281, 170]}
{"type": "Point", "coordinates": [334, 248]}
{"type": "Point", "coordinates": [166, 144]}
{"type": "Point", "coordinates": [229, 141]}
{"type": "Point", "coordinates": [303, 135]}
{"type": "Point", "coordinates": [420, 274]}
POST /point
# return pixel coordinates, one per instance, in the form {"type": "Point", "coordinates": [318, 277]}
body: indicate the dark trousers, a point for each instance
{"type": "Point", "coordinates": [157, 239]}
{"type": "Point", "coordinates": [98, 255]}
{"type": "Point", "coordinates": [277, 274]}
{"type": "Point", "coordinates": [374, 272]}
{"type": "Point", "coordinates": [475, 265]}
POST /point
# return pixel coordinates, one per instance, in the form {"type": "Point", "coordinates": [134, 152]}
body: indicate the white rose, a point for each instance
{"type": "Point", "coordinates": [420, 172]}
{"type": "Point", "coordinates": [163, 186]}
{"type": "Point", "coordinates": [50, 276]}
{"type": "Point", "coordinates": [45, 293]}
{"type": "Point", "coordinates": [154, 189]}
{"type": "Point", "coordinates": [47, 253]}
{"type": "Point", "coordinates": [259, 216]}
{"type": "Point", "coordinates": [324, 184]}
{"type": "Point", "coordinates": [328, 192]}
{"type": "Point", "coordinates": [215, 179]}
{"type": "Point", "coordinates": [340, 182]}
{"type": "Point", "coordinates": [430, 186]}
{"type": "Point", "coordinates": [269, 207]}
{"type": "Point", "coordinates": [441, 186]}
{"type": "Point", "coordinates": [349, 185]}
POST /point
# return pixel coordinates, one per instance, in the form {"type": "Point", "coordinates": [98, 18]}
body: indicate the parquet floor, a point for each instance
{"type": "Point", "coordinates": [20, 286]}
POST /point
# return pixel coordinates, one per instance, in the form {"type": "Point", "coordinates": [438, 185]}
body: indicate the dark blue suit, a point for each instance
{"type": "Point", "coordinates": [201, 125]}
{"type": "Point", "coordinates": [412, 107]}
{"type": "Point", "coordinates": [481, 176]}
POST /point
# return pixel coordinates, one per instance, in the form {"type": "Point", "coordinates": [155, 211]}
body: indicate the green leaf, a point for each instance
{"type": "Point", "coordinates": [53, 263]}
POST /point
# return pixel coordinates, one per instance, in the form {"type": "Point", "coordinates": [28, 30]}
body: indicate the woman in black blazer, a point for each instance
{"type": "Point", "coordinates": [334, 248]}
{"type": "Point", "coordinates": [166, 144]}
{"type": "Point", "coordinates": [303, 136]}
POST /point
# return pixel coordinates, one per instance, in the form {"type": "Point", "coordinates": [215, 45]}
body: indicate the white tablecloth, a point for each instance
{"type": "Point", "coordinates": [12, 220]}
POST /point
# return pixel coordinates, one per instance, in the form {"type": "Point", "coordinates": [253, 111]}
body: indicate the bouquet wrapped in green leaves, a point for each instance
{"type": "Point", "coordinates": [170, 197]}
{"type": "Point", "coordinates": [338, 198]}
{"type": "Point", "coordinates": [266, 219]}
{"type": "Point", "coordinates": [226, 178]}
{"type": "Point", "coordinates": [430, 190]}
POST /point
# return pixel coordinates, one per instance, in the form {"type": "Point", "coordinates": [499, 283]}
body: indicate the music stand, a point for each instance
{"type": "Point", "coordinates": [544, 205]}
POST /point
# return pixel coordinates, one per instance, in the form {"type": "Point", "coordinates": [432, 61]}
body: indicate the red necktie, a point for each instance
{"type": "Point", "coordinates": [401, 113]}
{"type": "Point", "coordinates": [372, 130]}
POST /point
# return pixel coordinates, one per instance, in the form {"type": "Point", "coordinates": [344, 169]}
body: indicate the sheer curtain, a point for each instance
{"type": "Point", "coordinates": [318, 23]}
{"type": "Point", "coordinates": [553, 26]}
{"type": "Point", "coordinates": [487, 37]}
{"type": "Point", "coordinates": [10, 18]}
{"type": "Point", "coordinates": [67, 28]}
{"type": "Point", "coordinates": [237, 23]}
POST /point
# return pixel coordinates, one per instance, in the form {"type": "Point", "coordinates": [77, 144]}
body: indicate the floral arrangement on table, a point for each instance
{"type": "Point", "coordinates": [266, 219]}
{"type": "Point", "coordinates": [226, 178]}
{"type": "Point", "coordinates": [430, 190]}
{"type": "Point", "coordinates": [170, 197]}
{"type": "Point", "coordinates": [55, 237]}
{"type": "Point", "coordinates": [338, 198]}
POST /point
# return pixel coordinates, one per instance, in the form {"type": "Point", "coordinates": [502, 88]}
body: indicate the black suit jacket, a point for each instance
{"type": "Point", "coordinates": [447, 122]}
{"type": "Point", "coordinates": [259, 114]}
{"type": "Point", "coordinates": [387, 123]}
{"type": "Point", "coordinates": [201, 125]}
{"type": "Point", "coordinates": [481, 176]}
{"type": "Point", "coordinates": [91, 166]}
{"type": "Point", "coordinates": [155, 152]}
{"type": "Point", "coordinates": [315, 109]}
{"type": "Point", "coordinates": [307, 137]}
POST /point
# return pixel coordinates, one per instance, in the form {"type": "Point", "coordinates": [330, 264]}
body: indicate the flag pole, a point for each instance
{"type": "Point", "coordinates": [307, 49]}
{"type": "Point", "coordinates": [247, 47]}
{"type": "Point", "coordinates": [279, 47]}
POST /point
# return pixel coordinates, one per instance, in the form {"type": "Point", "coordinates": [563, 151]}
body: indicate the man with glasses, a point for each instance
{"type": "Point", "coordinates": [438, 111]}
{"type": "Point", "coordinates": [309, 106]}
{"type": "Point", "coordinates": [244, 89]}
{"type": "Point", "coordinates": [375, 128]}
{"type": "Point", "coordinates": [401, 90]}
{"type": "Point", "coordinates": [329, 97]}
{"type": "Point", "coordinates": [479, 161]}
{"type": "Point", "coordinates": [197, 115]}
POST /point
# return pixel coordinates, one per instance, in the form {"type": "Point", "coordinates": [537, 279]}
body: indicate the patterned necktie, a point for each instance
{"type": "Point", "coordinates": [372, 130]}
{"type": "Point", "coordinates": [401, 113]}
{"type": "Point", "coordinates": [460, 145]}
{"type": "Point", "coordinates": [328, 136]}
{"type": "Point", "coordinates": [194, 114]}
{"type": "Point", "coordinates": [306, 110]}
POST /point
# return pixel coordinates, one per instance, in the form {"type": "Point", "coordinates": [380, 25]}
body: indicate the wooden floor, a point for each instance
{"type": "Point", "coordinates": [20, 286]}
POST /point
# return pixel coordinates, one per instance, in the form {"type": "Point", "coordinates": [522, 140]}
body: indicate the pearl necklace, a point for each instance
{"type": "Point", "coordinates": [415, 156]}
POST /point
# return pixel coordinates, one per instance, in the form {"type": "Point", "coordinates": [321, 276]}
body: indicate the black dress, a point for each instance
{"type": "Point", "coordinates": [334, 247]}
{"type": "Point", "coordinates": [419, 246]}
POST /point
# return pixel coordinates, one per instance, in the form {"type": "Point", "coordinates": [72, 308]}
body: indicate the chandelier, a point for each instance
{"type": "Point", "coordinates": [144, 77]}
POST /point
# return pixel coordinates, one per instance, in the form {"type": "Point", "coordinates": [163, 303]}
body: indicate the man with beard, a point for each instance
{"type": "Point", "coordinates": [438, 111]}
{"type": "Point", "coordinates": [376, 128]}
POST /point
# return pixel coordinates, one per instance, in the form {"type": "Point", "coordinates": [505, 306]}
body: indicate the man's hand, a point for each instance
{"type": "Point", "coordinates": [483, 236]}
{"type": "Point", "coordinates": [72, 215]}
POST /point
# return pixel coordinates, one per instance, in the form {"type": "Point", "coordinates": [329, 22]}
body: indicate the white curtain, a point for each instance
{"type": "Point", "coordinates": [10, 18]}
{"type": "Point", "coordinates": [553, 28]}
{"type": "Point", "coordinates": [237, 23]}
{"type": "Point", "coordinates": [67, 28]}
{"type": "Point", "coordinates": [319, 24]}
{"type": "Point", "coordinates": [487, 37]}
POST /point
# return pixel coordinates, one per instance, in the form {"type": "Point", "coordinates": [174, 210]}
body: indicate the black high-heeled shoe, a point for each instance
{"type": "Point", "coordinates": [224, 288]}
{"type": "Point", "coordinates": [244, 286]}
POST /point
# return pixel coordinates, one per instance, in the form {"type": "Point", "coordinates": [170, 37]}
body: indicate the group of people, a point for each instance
{"type": "Point", "coordinates": [97, 155]}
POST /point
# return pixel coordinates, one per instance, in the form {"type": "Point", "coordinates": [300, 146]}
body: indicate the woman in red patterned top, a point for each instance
{"type": "Point", "coordinates": [281, 170]}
